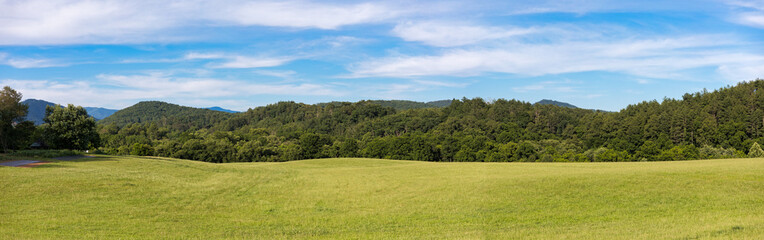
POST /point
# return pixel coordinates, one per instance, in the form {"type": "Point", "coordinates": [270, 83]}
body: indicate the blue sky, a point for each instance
{"type": "Point", "coordinates": [243, 54]}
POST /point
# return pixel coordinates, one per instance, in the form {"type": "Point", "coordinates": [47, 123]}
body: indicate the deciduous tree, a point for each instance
{"type": "Point", "coordinates": [69, 128]}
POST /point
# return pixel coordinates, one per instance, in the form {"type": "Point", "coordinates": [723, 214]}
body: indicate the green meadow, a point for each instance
{"type": "Point", "coordinates": [145, 198]}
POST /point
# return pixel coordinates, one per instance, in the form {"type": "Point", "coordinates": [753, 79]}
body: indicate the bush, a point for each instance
{"type": "Point", "coordinates": [755, 151]}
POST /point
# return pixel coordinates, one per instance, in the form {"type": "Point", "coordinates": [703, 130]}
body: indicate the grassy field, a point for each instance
{"type": "Point", "coordinates": [140, 198]}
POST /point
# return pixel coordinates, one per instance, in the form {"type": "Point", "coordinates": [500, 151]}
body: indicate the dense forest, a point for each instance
{"type": "Point", "coordinates": [725, 123]}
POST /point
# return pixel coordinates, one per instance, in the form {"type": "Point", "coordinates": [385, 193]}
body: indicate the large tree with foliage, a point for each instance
{"type": "Point", "coordinates": [12, 113]}
{"type": "Point", "coordinates": [69, 128]}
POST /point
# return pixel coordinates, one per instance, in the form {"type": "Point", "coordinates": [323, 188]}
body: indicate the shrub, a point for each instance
{"type": "Point", "coordinates": [755, 151]}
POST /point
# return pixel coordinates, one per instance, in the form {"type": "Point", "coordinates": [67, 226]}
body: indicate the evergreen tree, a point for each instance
{"type": "Point", "coordinates": [756, 151]}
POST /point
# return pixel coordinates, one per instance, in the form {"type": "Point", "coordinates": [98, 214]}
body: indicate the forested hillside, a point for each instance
{"type": "Point", "coordinates": [556, 103]}
{"type": "Point", "coordinates": [168, 115]}
{"type": "Point", "coordinates": [724, 123]}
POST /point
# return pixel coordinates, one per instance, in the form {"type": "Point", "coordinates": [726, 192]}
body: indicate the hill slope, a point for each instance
{"type": "Point", "coordinates": [440, 103]}
{"type": "Point", "coordinates": [556, 103]}
{"type": "Point", "coordinates": [166, 114]}
{"type": "Point", "coordinates": [220, 109]}
{"type": "Point", "coordinates": [36, 110]}
{"type": "Point", "coordinates": [100, 113]}
{"type": "Point", "coordinates": [149, 198]}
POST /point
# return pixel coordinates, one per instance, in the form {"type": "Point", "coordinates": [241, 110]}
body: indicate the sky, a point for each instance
{"type": "Point", "coordinates": [596, 54]}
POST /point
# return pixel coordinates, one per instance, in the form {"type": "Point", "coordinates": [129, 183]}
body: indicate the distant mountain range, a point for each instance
{"type": "Point", "coordinates": [220, 109]}
{"type": "Point", "coordinates": [100, 113]}
{"type": "Point", "coordinates": [37, 108]}
{"type": "Point", "coordinates": [36, 111]}
{"type": "Point", "coordinates": [556, 103]}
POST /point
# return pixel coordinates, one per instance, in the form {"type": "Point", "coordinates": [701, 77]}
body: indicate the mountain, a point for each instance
{"type": "Point", "coordinates": [440, 103]}
{"type": "Point", "coordinates": [220, 109]}
{"type": "Point", "coordinates": [556, 103]}
{"type": "Point", "coordinates": [100, 113]}
{"type": "Point", "coordinates": [36, 110]}
{"type": "Point", "coordinates": [166, 115]}
{"type": "Point", "coordinates": [401, 105]}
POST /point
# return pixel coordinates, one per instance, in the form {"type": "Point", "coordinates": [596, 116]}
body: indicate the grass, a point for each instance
{"type": "Point", "coordinates": [143, 198]}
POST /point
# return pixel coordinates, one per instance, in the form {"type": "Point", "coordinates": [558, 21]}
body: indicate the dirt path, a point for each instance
{"type": "Point", "coordinates": [34, 163]}
{"type": "Point", "coordinates": [22, 163]}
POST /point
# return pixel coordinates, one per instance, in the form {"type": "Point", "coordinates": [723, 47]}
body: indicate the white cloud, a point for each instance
{"type": "Point", "coordinates": [749, 13]}
{"type": "Point", "coordinates": [237, 61]}
{"type": "Point", "coordinates": [441, 83]}
{"type": "Point", "coordinates": [590, 6]}
{"type": "Point", "coordinates": [300, 14]}
{"type": "Point", "coordinates": [250, 62]}
{"type": "Point", "coordinates": [548, 86]}
{"type": "Point", "coordinates": [752, 19]}
{"type": "Point", "coordinates": [653, 58]}
{"type": "Point", "coordinates": [196, 55]}
{"type": "Point", "coordinates": [28, 62]}
{"type": "Point", "coordinates": [743, 72]}
{"type": "Point", "coordinates": [65, 21]}
{"type": "Point", "coordinates": [118, 91]}
{"type": "Point", "coordinates": [35, 22]}
{"type": "Point", "coordinates": [449, 34]}
{"type": "Point", "coordinates": [33, 63]}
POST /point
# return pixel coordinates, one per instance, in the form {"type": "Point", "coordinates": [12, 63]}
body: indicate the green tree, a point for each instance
{"type": "Point", "coordinates": [141, 149]}
{"type": "Point", "coordinates": [348, 148]}
{"type": "Point", "coordinates": [12, 112]}
{"type": "Point", "coordinates": [312, 144]}
{"type": "Point", "coordinates": [755, 151]}
{"type": "Point", "coordinates": [69, 128]}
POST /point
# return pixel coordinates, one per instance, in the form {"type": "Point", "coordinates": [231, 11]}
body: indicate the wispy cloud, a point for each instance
{"type": "Point", "coordinates": [300, 14]}
{"type": "Point", "coordinates": [276, 73]}
{"type": "Point", "coordinates": [749, 13]}
{"type": "Point", "coordinates": [25, 62]}
{"type": "Point", "coordinates": [548, 86]}
{"type": "Point", "coordinates": [119, 91]}
{"type": "Point", "coordinates": [237, 61]}
{"type": "Point", "coordinates": [33, 22]}
{"type": "Point", "coordinates": [449, 34]}
{"type": "Point", "coordinates": [653, 58]}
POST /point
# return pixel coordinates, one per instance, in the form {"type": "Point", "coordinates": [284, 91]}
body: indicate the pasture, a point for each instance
{"type": "Point", "coordinates": [143, 198]}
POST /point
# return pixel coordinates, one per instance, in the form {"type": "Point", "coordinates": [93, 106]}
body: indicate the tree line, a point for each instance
{"type": "Point", "coordinates": [725, 123]}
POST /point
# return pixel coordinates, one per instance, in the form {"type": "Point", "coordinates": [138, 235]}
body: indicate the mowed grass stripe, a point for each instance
{"type": "Point", "coordinates": [140, 198]}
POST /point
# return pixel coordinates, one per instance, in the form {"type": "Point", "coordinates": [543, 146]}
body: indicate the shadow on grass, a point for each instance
{"type": "Point", "coordinates": [85, 158]}
{"type": "Point", "coordinates": [56, 162]}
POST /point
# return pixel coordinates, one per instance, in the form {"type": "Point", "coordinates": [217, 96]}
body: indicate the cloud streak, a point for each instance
{"type": "Point", "coordinates": [53, 22]}
{"type": "Point", "coordinates": [655, 58]}
{"type": "Point", "coordinates": [450, 34]}
{"type": "Point", "coordinates": [22, 63]}
{"type": "Point", "coordinates": [237, 61]}
{"type": "Point", "coordinates": [118, 91]}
